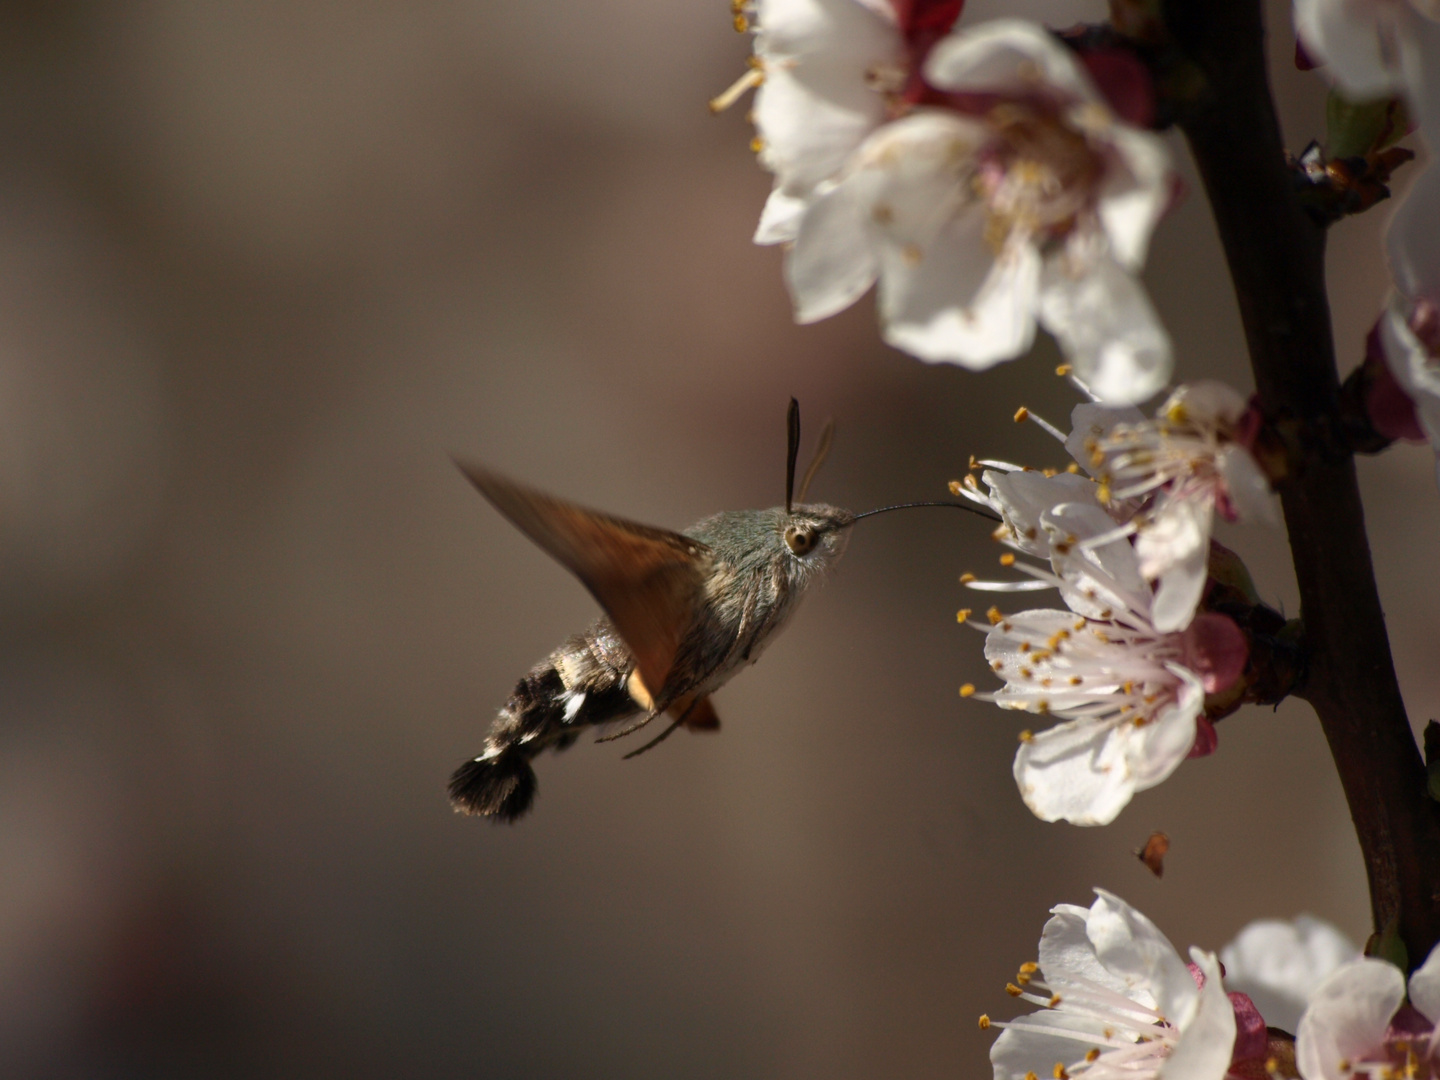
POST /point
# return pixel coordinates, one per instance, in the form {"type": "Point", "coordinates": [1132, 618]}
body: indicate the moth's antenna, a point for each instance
{"type": "Point", "coordinates": [821, 451]}
{"type": "Point", "coordinates": [988, 515]}
{"type": "Point", "coordinates": [792, 424]}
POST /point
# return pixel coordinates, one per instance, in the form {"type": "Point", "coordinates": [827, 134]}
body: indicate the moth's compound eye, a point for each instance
{"type": "Point", "coordinates": [799, 539]}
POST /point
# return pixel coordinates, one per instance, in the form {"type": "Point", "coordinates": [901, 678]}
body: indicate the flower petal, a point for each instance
{"type": "Point", "coordinates": [932, 310]}
{"type": "Point", "coordinates": [1009, 57]}
{"type": "Point", "coordinates": [1106, 327]}
{"type": "Point", "coordinates": [1091, 422]}
{"type": "Point", "coordinates": [1247, 488]}
{"type": "Point", "coordinates": [1278, 963]}
{"type": "Point", "coordinates": [1207, 1041]}
{"type": "Point", "coordinates": [1075, 772]}
{"type": "Point", "coordinates": [1425, 987]}
{"type": "Point", "coordinates": [1026, 1048]}
{"type": "Point", "coordinates": [1068, 958]}
{"type": "Point", "coordinates": [1023, 496]}
{"type": "Point", "coordinates": [1133, 949]}
{"type": "Point", "coordinates": [1173, 548]}
{"type": "Point", "coordinates": [1158, 748]}
{"type": "Point", "coordinates": [831, 264]}
{"type": "Point", "coordinates": [1350, 39]}
{"type": "Point", "coordinates": [1347, 1017]}
{"type": "Point", "coordinates": [1132, 199]}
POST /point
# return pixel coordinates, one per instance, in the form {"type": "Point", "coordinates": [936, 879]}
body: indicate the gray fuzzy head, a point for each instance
{"type": "Point", "coordinates": [801, 546]}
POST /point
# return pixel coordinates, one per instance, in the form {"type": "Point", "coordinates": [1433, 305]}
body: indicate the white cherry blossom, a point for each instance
{"type": "Point", "coordinates": [1168, 477]}
{"type": "Point", "coordinates": [1129, 696]}
{"type": "Point", "coordinates": [1278, 963]}
{"type": "Point", "coordinates": [1358, 1024]}
{"type": "Point", "coordinates": [1032, 203]}
{"type": "Point", "coordinates": [1117, 1003]}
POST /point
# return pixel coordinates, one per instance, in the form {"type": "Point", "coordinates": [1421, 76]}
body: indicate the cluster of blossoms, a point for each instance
{"type": "Point", "coordinates": [1117, 1001]}
{"type": "Point", "coordinates": [1128, 665]}
{"type": "Point", "coordinates": [976, 176]}
{"type": "Point", "coordinates": [988, 179]}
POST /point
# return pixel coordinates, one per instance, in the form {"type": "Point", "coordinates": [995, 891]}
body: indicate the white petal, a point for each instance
{"type": "Point", "coordinates": [1008, 646]}
{"type": "Point", "coordinates": [1278, 963]}
{"type": "Point", "coordinates": [1174, 548]}
{"type": "Point", "coordinates": [1133, 949]}
{"type": "Point", "coordinates": [1206, 402]}
{"type": "Point", "coordinates": [1100, 580]}
{"type": "Point", "coordinates": [1021, 1049]}
{"type": "Point", "coordinates": [930, 312]}
{"type": "Point", "coordinates": [1134, 197]}
{"type": "Point", "coordinates": [1024, 496]}
{"type": "Point", "coordinates": [780, 220]}
{"type": "Point", "coordinates": [1413, 239]}
{"type": "Point", "coordinates": [1074, 772]}
{"type": "Point", "coordinates": [1010, 57]}
{"type": "Point", "coordinates": [1425, 987]}
{"type": "Point", "coordinates": [832, 262]}
{"type": "Point", "coordinates": [1248, 488]}
{"type": "Point", "coordinates": [1347, 1017]}
{"type": "Point", "coordinates": [1350, 39]}
{"type": "Point", "coordinates": [1067, 956]}
{"type": "Point", "coordinates": [1207, 1041]}
{"type": "Point", "coordinates": [1106, 327]}
{"type": "Point", "coordinates": [826, 31]}
{"type": "Point", "coordinates": [1090, 421]}
{"type": "Point", "coordinates": [1159, 747]}
{"type": "Point", "coordinates": [810, 119]}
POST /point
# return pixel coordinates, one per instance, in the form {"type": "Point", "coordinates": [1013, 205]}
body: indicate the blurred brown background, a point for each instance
{"type": "Point", "coordinates": [262, 266]}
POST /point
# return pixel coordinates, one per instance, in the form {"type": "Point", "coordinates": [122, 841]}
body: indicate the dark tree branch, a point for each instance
{"type": "Point", "coordinates": [1276, 255]}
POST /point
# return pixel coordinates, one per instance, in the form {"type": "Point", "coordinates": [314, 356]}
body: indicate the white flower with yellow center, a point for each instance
{"type": "Point", "coordinates": [1179, 469]}
{"type": "Point", "coordinates": [1130, 696]}
{"type": "Point", "coordinates": [1023, 199]}
{"type": "Point", "coordinates": [1117, 1003]}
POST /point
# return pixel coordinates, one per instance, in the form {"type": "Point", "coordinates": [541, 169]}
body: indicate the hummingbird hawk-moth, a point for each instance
{"type": "Point", "coordinates": [683, 613]}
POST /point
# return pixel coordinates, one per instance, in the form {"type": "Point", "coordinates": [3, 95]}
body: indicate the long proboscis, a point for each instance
{"type": "Point", "coordinates": [987, 514]}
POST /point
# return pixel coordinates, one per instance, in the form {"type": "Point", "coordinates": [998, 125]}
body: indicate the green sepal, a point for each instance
{"type": "Point", "coordinates": [1357, 128]}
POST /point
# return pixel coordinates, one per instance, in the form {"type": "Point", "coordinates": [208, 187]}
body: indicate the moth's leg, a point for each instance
{"type": "Point", "coordinates": [628, 729]}
{"type": "Point", "coordinates": [656, 741]}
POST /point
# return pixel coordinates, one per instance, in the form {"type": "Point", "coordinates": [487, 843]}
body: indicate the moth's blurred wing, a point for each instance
{"type": "Point", "coordinates": [649, 581]}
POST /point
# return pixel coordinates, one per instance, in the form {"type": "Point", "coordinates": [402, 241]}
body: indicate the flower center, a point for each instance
{"type": "Point", "coordinates": [1037, 176]}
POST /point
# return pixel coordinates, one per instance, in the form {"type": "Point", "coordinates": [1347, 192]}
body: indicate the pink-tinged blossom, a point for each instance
{"type": "Point", "coordinates": [1128, 695]}
{"type": "Point", "coordinates": [1168, 477]}
{"type": "Point", "coordinates": [1019, 199]}
{"type": "Point", "coordinates": [1375, 48]}
{"type": "Point", "coordinates": [1117, 1002]}
{"type": "Point", "coordinates": [1358, 1023]}
{"type": "Point", "coordinates": [1279, 962]}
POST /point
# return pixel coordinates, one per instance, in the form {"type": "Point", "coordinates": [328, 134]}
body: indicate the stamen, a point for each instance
{"type": "Point", "coordinates": [968, 690]}
{"type": "Point", "coordinates": [751, 79]}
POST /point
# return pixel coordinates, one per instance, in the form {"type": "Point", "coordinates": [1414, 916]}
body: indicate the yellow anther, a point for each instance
{"type": "Point", "coordinates": [1024, 646]}
{"type": "Point", "coordinates": [741, 24]}
{"type": "Point", "coordinates": [956, 487]}
{"type": "Point", "coordinates": [984, 1022]}
{"type": "Point", "coordinates": [968, 690]}
{"type": "Point", "coordinates": [1092, 1053]}
{"type": "Point", "coordinates": [757, 144]}
{"type": "Point", "coordinates": [994, 614]}
{"type": "Point", "coordinates": [1063, 370]}
{"type": "Point", "coordinates": [1027, 736]}
{"type": "Point", "coordinates": [1023, 979]}
{"type": "Point", "coordinates": [1079, 624]}
{"type": "Point", "coordinates": [1031, 1076]}
{"type": "Point", "coordinates": [1008, 559]}
{"type": "Point", "coordinates": [962, 615]}
{"type": "Point", "coordinates": [997, 665]}
{"type": "Point", "coordinates": [1054, 1000]}
{"type": "Point", "coordinates": [1272, 1065]}
{"type": "Point", "coordinates": [1021, 413]}
{"type": "Point", "coordinates": [966, 578]}
{"type": "Point", "coordinates": [1073, 468]}
{"type": "Point", "coordinates": [1128, 687]}
{"type": "Point", "coordinates": [973, 463]}
{"type": "Point", "coordinates": [1026, 673]}
{"type": "Point", "coordinates": [1075, 680]}
{"type": "Point", "coordinates": [1029, 967]}
{"type": "Point", "coordinates": [1043, 707]}
{"type": "Point", "coordinates": [1048, 473]}
{"type": "Point", "coordinates": [1013, 990]}
{"type": "Point", "coordinates": [1059, 1072]}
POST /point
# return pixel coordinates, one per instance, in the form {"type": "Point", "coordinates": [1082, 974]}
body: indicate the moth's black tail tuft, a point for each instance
{"type": "Point", "coordinates": [500, 788]}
